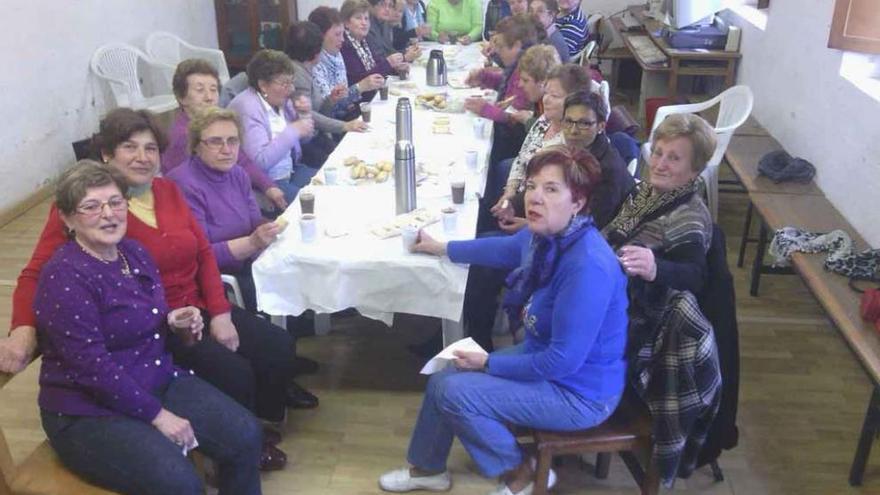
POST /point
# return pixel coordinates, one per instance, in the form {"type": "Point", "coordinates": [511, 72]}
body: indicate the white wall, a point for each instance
{"type": "Point", "coordinates": [48, 98]}
{"type": "Point", "coordinates": [813, 111]}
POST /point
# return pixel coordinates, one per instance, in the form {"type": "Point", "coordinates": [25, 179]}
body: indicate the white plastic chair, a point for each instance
{"type": "Point", "coordinates": [583, 57]}
{"type": "Point", "coordinates": [169, 49]}
{"type": "Point", "coordinates": [604, 90]}
{"type": "Point", "coordinates": [735, 106]}
{"type": "Point", "coordinates": [231, 283]}
{"type": "Point", "coordinates": [120, 65]}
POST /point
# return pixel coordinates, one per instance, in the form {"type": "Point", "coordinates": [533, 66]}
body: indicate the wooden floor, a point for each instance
{"type": "Point", "coordinates": [802, 398]}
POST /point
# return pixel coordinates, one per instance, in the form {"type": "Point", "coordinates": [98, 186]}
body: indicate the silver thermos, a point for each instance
{"type": "Point", "coordinates": [436, 69]}
{"type": "Point", "coordinates": [404, 160]}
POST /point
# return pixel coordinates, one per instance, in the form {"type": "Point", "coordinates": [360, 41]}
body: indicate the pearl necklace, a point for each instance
{"type": "Point", "coordinates": [126, 268]}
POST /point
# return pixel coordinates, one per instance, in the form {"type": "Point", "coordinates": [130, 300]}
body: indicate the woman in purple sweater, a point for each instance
{"type": "Point", "coordinates": [115, 408]}
{"type": "Point", "coordinates": [361, 59]}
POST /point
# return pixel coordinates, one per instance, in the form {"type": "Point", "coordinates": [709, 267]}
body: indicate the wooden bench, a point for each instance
{"type": "Point", "coordinates": [41, 473]}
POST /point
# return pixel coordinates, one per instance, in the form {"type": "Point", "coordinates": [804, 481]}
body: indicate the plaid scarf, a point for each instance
{"type": "Point", "coordinates": [362, 48]}
{"type": "Point", "coordinates": [538, 266]}
{"type": "Point", "coordinates": [643, 206]}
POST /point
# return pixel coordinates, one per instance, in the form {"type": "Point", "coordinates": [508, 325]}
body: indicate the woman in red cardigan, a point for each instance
{"type": "Point", "coordinates": [245, 356]}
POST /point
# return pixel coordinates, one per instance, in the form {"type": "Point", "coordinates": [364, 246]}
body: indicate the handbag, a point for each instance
{"type": "Point", "coordinates": [869, 307]}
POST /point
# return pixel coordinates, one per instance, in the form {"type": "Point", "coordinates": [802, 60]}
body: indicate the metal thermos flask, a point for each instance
{"type": "Point", "coordinates": [404, 160]}
{"type": "Point", "coordinates": [435, 72]}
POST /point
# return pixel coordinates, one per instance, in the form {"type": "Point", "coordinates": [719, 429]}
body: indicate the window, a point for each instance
{"type": "Point", "coordinates": [856, 26]}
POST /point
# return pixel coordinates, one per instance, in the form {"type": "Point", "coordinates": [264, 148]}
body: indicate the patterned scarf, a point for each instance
{"type": "Point", "coordinates": [363, 51]}
{"type": "Point", "coordinates": [643, 206]}
{"type": "Point", "coordinates": [538, 266]}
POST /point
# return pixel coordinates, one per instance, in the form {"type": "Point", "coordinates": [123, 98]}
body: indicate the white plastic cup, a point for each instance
{"type": "Point", "coordinates": [479, 127]}
{"type": "Point", "coordinates": [308, 228]}
{"type": "Point", "coordinates": [470, 158]}
{"type": "Point", "coordinates": [330, 175]}
{"type": "Point", "coordinates": [409, 234]}
{"type": "Point", "coordinates": [450, 220]}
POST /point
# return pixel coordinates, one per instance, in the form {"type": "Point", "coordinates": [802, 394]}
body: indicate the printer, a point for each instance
{"type": "Point", "coordinates": [708, 36]}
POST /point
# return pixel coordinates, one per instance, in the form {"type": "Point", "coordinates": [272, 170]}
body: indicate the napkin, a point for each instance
{"type": "Point", "coordinates": [438, 362]}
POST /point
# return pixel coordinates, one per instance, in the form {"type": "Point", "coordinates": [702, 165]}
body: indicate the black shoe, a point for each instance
{"type": "Point", "coordinates": [428, 348]}
{"type": "Point", "coordinates": [300, 398]}
{"type": "Point", "coordinates": [304, 366]}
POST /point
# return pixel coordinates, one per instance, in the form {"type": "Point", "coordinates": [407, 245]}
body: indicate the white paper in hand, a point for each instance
{"type": "Point", "coordinates": [438, 362]}
{"type": "Point", "coordinates": [187, 448]}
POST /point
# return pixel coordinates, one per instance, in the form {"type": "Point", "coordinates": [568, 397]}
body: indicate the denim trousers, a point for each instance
{"type": "Point", "coordinates": [477, 408]}
{"type": "Point", "coordinates": [300, 176]}
{"type": "Point", "coordinates": [257, 375]}
{"type": "Point", "coordinates": [133, 457]}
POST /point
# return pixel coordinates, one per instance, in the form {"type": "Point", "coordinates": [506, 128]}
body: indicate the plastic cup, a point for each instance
{"type": "Point", "coordinates": [409, 234]}
{"type": "Point", "coordinates": [330, 175]}
{"type": "Point", "coordinates": [450, 219]}
{"type": "Point", "coordinates": [457, 186]}
{"type": "Point", "coordinates": [308, 227]}
{"type": "Point", "coordinates": [307, 202]}
{"type": "Point", "coordinates": [182, 322]}
{"type": "Point", "coordinates": [470, 158]}
{"type": "Point", "coordinates": [403, 73]}
{"type": "Point", "coordinates": [383, 91]}
{"type": "Point", "coordinates": [366, 110]}
{"type": "Point", "coordinates": [479, 128]}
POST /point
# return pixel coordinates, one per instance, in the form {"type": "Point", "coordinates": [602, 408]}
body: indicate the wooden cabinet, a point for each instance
{"type": "Point", "coordinates": [245, 26]}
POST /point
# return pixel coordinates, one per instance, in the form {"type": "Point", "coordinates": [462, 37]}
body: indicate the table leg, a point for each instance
{"type": "Point", "coordinates": [452, 331]}
{"type": "Point", "coordinates": [745, 236]}
{"type": "Point", "coordinates": [758, 264]}
{"type": "Point", "coordinates": [673, 77]}
{"type": "Point", "coordinates": [866, 439]}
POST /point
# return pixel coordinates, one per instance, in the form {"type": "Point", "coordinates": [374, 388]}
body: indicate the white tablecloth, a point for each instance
{"type": "Point", "coordinates": [376, 276]}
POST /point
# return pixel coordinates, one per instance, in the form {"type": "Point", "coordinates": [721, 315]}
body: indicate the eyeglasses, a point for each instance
{"type": "Point", "coordinates": [284, 83]}
{"type": "Point", "coordinates": [581, 125]}
{"type": "Point", "coordinates": [95, 208]}
{"type": "Point", "coordinates": [216, 143]}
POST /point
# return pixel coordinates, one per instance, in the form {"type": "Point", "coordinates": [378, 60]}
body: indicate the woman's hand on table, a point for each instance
{"type": "Point", "coordinates": [371, 83]}
{"type": "Point", "coordinates": [175, 428]}
{"type": "Point", "coordinates": [355, 125]}
{"type": "Point", "coordinates": [503, 209]}
{"type": "Point", "coordinates": [304, 126]}
{"type": "Point", "coordinates": [475, 104]}
{"type": "Point", "coordinates": [443, 38]}
{"type": "Point", "coordinates": [473, 77]}
{"type": "Point", "coordinates": [276, 196]}
{"type": "Point", "coordinates": [423, 30]}
{"type": "Point", "coordinates": [428, 245]}
{"type": "Point", "coordinates": [513, 224]}
{"type": "Point", "coordinates": [465, 40]}
{"type": "Point", "coordinates": [18, 349]}
{"type": "Point", "coordinates": [638, 261]}
{"type": "Point", "coordinates": [224, 332]}
{"type": "Point", "coordinates": [265, 234]}
{"type": "Point", "coordinates": [470, 360]}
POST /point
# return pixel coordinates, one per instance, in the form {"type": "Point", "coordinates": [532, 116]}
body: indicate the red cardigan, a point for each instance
{"type": "Point", "coordinates": [179, 247]}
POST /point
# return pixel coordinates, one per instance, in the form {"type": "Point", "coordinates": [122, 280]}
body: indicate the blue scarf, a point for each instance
{"type": "Point", "coordinates": [538, 266]}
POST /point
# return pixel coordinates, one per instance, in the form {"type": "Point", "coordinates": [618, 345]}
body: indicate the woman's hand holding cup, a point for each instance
{"type": "Point", "coordinates": [187, 324]}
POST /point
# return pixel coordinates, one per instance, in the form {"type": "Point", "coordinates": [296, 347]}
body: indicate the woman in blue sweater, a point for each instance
{"type": "Point", "coordinates": [569, 292]}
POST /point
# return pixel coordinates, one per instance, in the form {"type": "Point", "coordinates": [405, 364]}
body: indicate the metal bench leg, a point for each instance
{"type": "Point", "coordinates": [542, 472]}
{"type": "Point", "coordinates": [866, 439]}
{"type": "Point", "coordinates": [758, 264]}
{"type": "Point", "coordinates": [603, 465]}
{"type": "Point", "coordinates": [745, 237]}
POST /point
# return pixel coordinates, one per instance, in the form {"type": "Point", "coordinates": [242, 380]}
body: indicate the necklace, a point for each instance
{"type": "Point", "coordinates": [126, 268]}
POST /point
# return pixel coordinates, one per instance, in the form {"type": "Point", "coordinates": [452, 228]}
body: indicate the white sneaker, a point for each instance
{"type": "Point", "coordinates": [551, 478]}
{"type": "Point", "coordinates": [400, 480]}
{"type": "Point", "coordinates": [502, 489]}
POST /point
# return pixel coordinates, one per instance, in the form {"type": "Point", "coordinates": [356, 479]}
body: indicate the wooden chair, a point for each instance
{"type": "Point", "coordinates": [627, 432]}
{"type": "Point", "coordinates": [41, 473]}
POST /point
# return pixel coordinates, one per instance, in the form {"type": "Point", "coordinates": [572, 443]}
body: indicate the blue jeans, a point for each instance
{"type": "Point", "coordinates": [131, 456]}
{"type": "Point", "coordinates": [300, 177]}
{"type": "Point", "coordinates": [477, 407]}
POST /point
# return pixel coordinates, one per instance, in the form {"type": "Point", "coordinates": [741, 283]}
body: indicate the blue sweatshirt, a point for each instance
{"type": "Point", "coordinates": [575, 325]}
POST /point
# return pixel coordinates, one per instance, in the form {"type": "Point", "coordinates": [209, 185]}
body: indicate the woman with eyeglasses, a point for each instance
{"type": "Point", "coordinates": [243, 355]}
{"type": "Point", "coordinates": [272, 129]}
{"type": "Point", "coordinates": [361, 58]}
{"type": "Point", "coordinates": [115, 407]}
